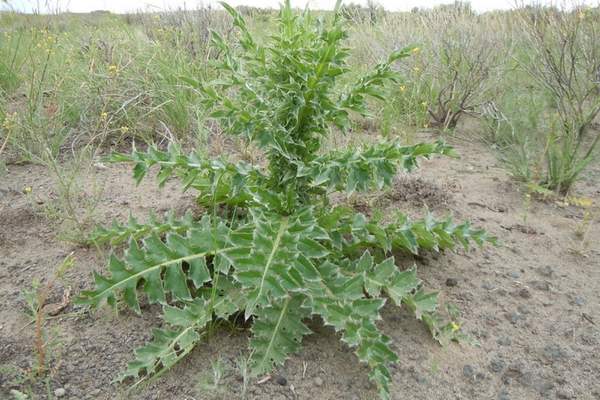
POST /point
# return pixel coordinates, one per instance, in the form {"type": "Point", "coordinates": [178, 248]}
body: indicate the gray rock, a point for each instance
{"type": "Point", "coordinates": [280, 380]}
{"type": "Point", "coordinates": [579, 300]}
{"type": "Point", "coordinates": [540, 285]}
{"type": "Point", "coordinates": [60, 392]}
{"type": "Point", "coordinates": [318, 381]}
{"type": "Point", "coordinates": [480, 333]}
{"type": "Point", "coordinates": [503, 395]}
{"type": "Point", "coordinates": [554, 352]}
{"type": "Point", "coordinates": [546, 271]}
{"type": "Point", "coordinates": [497, 365]}
{"type": "Point", "coordinates": [514, 317]}
{"type": "Point", "coordinates": [544, 387]}
{"type": "Point", "coordinates": [469, 371]}
{"type": "Point", "coordinates": [488, 286]}
{"type": "Point", "coordinates": [523, 310]}
{"type": "Point", "coordinates": [504, 341]}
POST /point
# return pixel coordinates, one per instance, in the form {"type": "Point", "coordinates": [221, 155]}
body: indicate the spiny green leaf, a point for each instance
{"type": "Point", "coordinates": [277, 332]}
{"type": "Point", "coordinates": [165, 350]}
{"type": "Point", "coordinates": [121, 233]}
{"type": "Point", "coordinates": [364, 169]}
{"type": "Point", "coordinates": [155, 257]}
{"type": "Point", "coordinates": [266, 268]}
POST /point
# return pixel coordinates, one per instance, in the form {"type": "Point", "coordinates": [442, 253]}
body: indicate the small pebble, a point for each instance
{"type": "Point", "coordinates": [451, 282]}
{"type": "Point", "coordinates": [468, 371]}
{"type": "Point", "coordinates": [565, 394]}
{"type": "Point", "coordinates": [318, 381]}
{"type": "Point", "coordinates": [544, 387]}
{"type": "Point", "coordinates": [514, 317]}
{"type": "Point", "coordinates": [546, 271]}
{"type": "Point", "coordinates": [523, 310]}
{"type": "Point", "coordinates": [503, 395]}
{"type": "Point", "coordinates": [554, 352]}
{"type": "Point", "coordinates": [524, 293]}
{"type": "Point", "coordinates": [60, 392]}
{"type": "Point", "coordinates": [280, 380]}
{"type": "Point", "coordinates": [540, 285]}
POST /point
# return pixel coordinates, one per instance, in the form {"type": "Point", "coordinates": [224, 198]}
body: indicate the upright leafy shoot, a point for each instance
{"type": "Point", "coordinates": [273, 249]}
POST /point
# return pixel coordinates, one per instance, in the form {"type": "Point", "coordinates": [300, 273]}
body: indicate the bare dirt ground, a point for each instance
{"type": "Point", "coordinates": [532, 303]}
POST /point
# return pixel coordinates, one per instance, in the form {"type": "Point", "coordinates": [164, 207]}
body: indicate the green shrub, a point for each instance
{"type": "Point", "coordinates": [273, 248]}
{"type": "Point", "coordinates": [515, 124]}
{"type": "Point", "coordinates": [461, 61]}
{"type": "Point", "coordinates": [563, 60]}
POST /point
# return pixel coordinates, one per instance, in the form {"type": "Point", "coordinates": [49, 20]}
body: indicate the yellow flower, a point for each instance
{"type": "Point", "coordinates": [455, 326]}
{"type": "Point", "coordinates": [9, 121]}
{"type": "Point", "coordinates": [416, 69]}
{"type": "Point", "coordinates": [402, 88]}
{"type": "Point", "coordinates": [416, 50]}
{"type": "Point", "coordinates": [124, 129]}
{"type": "Point", "coordinates": [581, 14]}
{"type": "Point", "coordinates": [424, 104]}
{"type": "Point", "coordinates": [27, 190]}
{"type": "Point", "coordinates": [584, 202]}
{"type": "Point", "coordinates": [113, 70]}
{"type": "Point", "coordinates": [104, 115]}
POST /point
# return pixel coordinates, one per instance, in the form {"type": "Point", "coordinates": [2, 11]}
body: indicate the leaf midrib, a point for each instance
{"type": "Point", "coordinates": [276, 244]}
{"type": "Point", "coordinates": [275, 331]}
{"type": "Point", "coordinates": [140, 274]}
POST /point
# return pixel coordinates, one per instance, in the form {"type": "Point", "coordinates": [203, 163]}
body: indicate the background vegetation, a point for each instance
{"type": "Point", "coordinates": [91, 82]}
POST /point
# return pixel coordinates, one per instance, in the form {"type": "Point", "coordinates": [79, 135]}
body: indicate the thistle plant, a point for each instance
{"type": "Point", "coordinates": [274, 249]}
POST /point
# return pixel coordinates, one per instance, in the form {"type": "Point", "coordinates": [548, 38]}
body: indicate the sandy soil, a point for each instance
{"type": "Point", "coordinates": [532, 303]}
